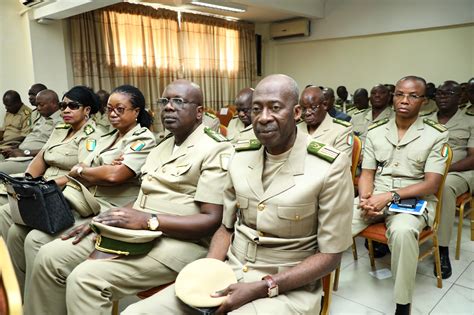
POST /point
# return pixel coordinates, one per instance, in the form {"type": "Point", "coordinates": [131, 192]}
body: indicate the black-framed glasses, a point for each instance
{"type": "Point", "coordinates": [72, 105]}
{"type": "Point", "coordinates": [313, 108]}
{"type": "Point", "coordinates": [117, 110]}
{"type": "Point", "coordinates": [177, 101]}
{"type": "Point", "coordinates": [411, 96]}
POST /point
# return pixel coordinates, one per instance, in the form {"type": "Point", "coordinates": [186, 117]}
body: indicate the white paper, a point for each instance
{"type": "Point", "coordinates": [223, 111]}
{"type": "Point", "coordinates": [381, 274]}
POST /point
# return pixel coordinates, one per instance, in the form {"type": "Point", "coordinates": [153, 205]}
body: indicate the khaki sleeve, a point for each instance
{"type": "Point", "coordinates": [470, 142]}
{"type": "Point", "coordinates": [344, 142]}
{"type": "Point", "coordinates": [229, 216]}
{"type": "Point", "coordinates": [25, 125]}
{"type": "Point", "coordinates": [335, 208]}
{"type": "Point", "coordinates": [436, 161]}
{"type": "Point", "coordinates": [136, 150]}
{"type": "Point", "coordinates": [213, 172]}
{"type": "Point", "coordinates": [215, 125]}
{"type": "Point", "coordinates": [369, 162]}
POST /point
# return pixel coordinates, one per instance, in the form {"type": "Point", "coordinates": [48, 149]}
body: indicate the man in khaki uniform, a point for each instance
{"type": "Point", "coordinates": [211, 121]}
{"type": "Point", "coordinates": [32, 93]}
{"type": "Point", "coordinates": [361, 101]}
{"type": "Point", "coordinates": [404, 157]}
{"type": "Point", "coordinates": [286, 213]}
{"type": "Point", "coordinates": [460, 178]}
{"type": "Point", "coordinates": [429, 107]}
{"type": "Point", "coordinates": [362, 119]}
{"type": "Point", "coordinates": [17, 124]}
{"type": "Point", "coordinates": [18, 158]}
{"type": "Point", "coordinates": [180, 195]}
{"type": "Point", "coordinates": [322, 127]}
{"type": "Point", "coordinates": [243, 104]}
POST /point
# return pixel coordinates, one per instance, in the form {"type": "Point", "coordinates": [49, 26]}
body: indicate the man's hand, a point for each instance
{"type": "Point", "coordinates": [373, 206]}
{"type": "Point", "coordinates": [118, 160]}
{"type": "Point", "coordinates": [79, 232]}
{"type": "Point", "coordinates": [73, 172]}
{"type": "Point", "coordinates": [125, 218]}
{"type": "Point", "coordinates": [239, 294]}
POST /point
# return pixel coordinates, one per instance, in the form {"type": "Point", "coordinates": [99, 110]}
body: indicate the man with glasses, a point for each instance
{"type": "Point", "coordinates": [240, 126]}
{"type": "Point", "coordinates": [320, 125]}
{"type": "Point", "coordinates": [18, 158]}
{"type": "Point", "coordinates": [460, 178]}
{"type": "Point", "coordinates": [404, 157]}
{"type": "Point", "coordinates": [180, 196]}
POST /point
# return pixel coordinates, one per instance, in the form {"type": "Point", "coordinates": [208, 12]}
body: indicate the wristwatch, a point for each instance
{"type": "Point", "coordinates": [395, 197]}
{"type": "Point", "coordinates": [272, 286]}
{"type": "Point", "coordinates": [153, 223]}
{"type": "Point", "coordinates": [27, 152]}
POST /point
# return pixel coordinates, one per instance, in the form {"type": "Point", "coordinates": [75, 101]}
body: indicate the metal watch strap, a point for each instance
{"type": "Point", "coordinates": [272, 286]}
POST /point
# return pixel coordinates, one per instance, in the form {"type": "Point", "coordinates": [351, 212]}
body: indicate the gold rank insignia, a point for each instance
{"type": "Point", "coordinates": [247, 145]}
{"type": "Point", "coordinates": [62, 126]}
{"type": "Point", "coordinates": [91, 144]}
{"type": "Point", "coordinates": [342, 122]}
{"type": "Point", "coordinates": [435, 125]}
{"type": "Point", "coordinates": [88, 129]}
{"type": "Point", "coordinates": [323, 151]}
{"type": "Point", "coordinates": [214, 135]}
{"type": "Point", "coordinates": [137, 145]}
{"type": "Point", "coordinates": [378, 123]}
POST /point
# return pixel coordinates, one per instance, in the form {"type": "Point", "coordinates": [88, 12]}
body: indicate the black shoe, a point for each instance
{"type": "Point", "coordinates": [446, 270]}
{"type": "Point", "coordinates": [380, 249]}
{"type": "Point", "coordinates": [403, 309]}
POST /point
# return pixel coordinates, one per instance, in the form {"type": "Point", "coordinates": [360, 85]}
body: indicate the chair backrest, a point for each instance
{"type": "Point", "coordinates": [223, 130]}
{"type": "Point", "coordinates": [10, 296]}
{"type": "Point", "coordinates": [439, 193]}
{"type": "Point", "coordinates": [356, 150]}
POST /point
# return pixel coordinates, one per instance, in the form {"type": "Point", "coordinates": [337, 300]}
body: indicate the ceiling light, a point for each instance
{"type": "Point", "coordinates": [219, 6]}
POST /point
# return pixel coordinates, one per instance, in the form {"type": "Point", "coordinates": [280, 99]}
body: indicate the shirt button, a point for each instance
{"type": "Point", "coordinates": [297, 217]}
{"type": "Point", "coordinates": [237, 205]}
{"type": "Point", "coordinates": [163, 170]}
{"type": "Point", "coordinates": [261, 207]}
{"type": "Point", "coordinates": [396, 164]}
{"type": "Point", "coordinates": [245, 268]}
{"type": "Point", "coordinates": [149, 177]}
{"type": "Point", "coordinates": [398, 148]}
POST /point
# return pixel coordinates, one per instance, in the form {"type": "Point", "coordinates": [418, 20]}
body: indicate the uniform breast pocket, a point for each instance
{"type": "Point", "coordinates": [298, 220]}
{"type": "Point", "coordinates": [180, 170]}
{"type": "Point", "coordinates": [243, 211]}
{"type": "Point", "coordinates": [417, 160]}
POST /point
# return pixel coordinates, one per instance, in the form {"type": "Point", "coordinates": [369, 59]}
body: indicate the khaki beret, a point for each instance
{"type": "Point", "coordinates": [115, 240]}
{"type": "Point", "coordinates": [80, 198]}
{"type": "Point", "coordinates": [201, 278]}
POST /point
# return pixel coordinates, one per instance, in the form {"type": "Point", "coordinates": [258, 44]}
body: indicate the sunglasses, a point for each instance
{"type": "Point", "coordinates": [72, 105]}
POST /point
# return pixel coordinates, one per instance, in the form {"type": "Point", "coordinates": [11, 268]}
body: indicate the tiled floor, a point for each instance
{"type": "Point", "coordinates": [360, 293]}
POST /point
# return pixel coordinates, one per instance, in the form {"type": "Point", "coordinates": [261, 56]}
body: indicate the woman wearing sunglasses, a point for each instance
{"type": "Point", "coordinates": [99, 182]}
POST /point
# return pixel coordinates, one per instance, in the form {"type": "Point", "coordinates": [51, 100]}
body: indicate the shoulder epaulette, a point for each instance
{"type": "Point", "coordinates": [378, 123]}
{"type": "Point", "coordinates": [210, 115]}
{"type": "Point", "coordinates": [26, 112]}
{"type": "Point", "coordinates": [214, 135]}
{"type": "Point", "coordinates": [140, 131]}
{"type": "Point", "coordinates": [427, 113]}
{"type": "Point", "coordinates": [342, 122]}
{"type": "Point", "coordinates": [360, 111]}
{"type": "Point", "coordinates": [247, 145]}
{"type": "Point", "coordinates": [88, 129]}
{"type": "Point", "coordinates": [435, 125]}
{"type": "Point", "coordinates": [169, 135]}
{"type": "Point", "coordinates": [109, 133]}
{"type": "Point", "coordinates": [470, 110]}
{"type": "Point", "coordinates": [235, 116]}
{"type": "Point", "coordinates": [62, 126]}
{"type": "Point", "coordinates": [323, 151]}
{"type": "Point", "coordinates": [462, 106]}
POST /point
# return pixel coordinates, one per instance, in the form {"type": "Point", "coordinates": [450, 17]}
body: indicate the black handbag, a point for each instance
{"type": "Point", "coordinates": [37, 203]}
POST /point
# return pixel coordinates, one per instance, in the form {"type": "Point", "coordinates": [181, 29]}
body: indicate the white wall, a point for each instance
{"type": "Point", "coordinates": [436, 55]}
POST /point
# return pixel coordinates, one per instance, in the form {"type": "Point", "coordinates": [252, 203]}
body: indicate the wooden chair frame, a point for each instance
{"type": "Point", "coordinates": [9, 282]}
{"type": "Point", "coordinates": [461, 202]}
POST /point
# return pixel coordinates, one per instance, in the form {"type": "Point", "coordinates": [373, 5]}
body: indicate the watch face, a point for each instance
{"type": "Point", "coordinates": [153, 223]}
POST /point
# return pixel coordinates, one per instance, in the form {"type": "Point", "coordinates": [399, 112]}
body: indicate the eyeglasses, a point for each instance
{"type": "Point", "coordinates": [313, 108]}
{"type": "Point", "coordinates": [243, 110]}
{"type": "Point", "coordinates": [445, 93]}
{"type": "Point", "coordinates": [72, 105]}
{"type": "Point", "coordinates": [411, 97]}
{"type": "Point", "coordinates": [177, 101]}
{"type": "Point", "coordinates": [117, 110]}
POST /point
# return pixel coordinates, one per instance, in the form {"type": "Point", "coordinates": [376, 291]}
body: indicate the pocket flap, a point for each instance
{"type": "Point", "coordinates": [297, 212]}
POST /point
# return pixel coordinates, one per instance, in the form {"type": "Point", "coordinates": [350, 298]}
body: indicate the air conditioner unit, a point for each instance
{"type": "Point", "coordinates": [290, 28]}
{"type": "Point", "coordinates": [30, 3]}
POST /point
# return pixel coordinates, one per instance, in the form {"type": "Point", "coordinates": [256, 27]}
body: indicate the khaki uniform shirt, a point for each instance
{"type": "Point", "coordinates": [461, 138]}
{"type": "Point", "coordinates": [17, 125]}
{"type": "Point", "coordinates": [61, 155]}
{"type": "Point", "coordinates": [428, 108]}
{"type": "Point", "coordinates": [235, 127]}
{"type": "Point", "coordinates": [306, 209]}
{"type": "Point", "coordinates": [175, 181]}
{"type": "Point", "coordinates": [334, 132]}
{"type": "Point", "coordinates": [245, 134]}
{"type": "Point", "coordinates": [211, 121]}
{"type": "Point", "coordinates": [402, 163]}
{"type": "Point", "coordinates": [363, 119]}
{"type": "Point", "coordinates": [134, 147]}
{"type": "Point", "coordinates": [102, 122]}
{"type": "Point", "coordinates": [42, 129]}
{"type": "Point", "coordinates": [34, 116]}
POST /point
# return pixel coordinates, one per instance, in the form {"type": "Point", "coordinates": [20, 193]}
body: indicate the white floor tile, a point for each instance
{"type": "Point", "coordinates": [458, 300]}
{"type": "Point", "coordinates": [342, 306]}
{"type": "Point", "coordinates": [467, 278]}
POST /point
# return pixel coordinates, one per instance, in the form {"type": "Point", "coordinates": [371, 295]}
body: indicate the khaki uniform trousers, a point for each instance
{"type": "Point", "coordinates": [5, 217]}
{"type": "Point", "coordinates": [454, 186]}
{"type": "Point", "coordinates": [77, 285]}
{"type": "Point", "coordinates": [402, 234]}
{"type": "Point", "coordinates": [14, 167]}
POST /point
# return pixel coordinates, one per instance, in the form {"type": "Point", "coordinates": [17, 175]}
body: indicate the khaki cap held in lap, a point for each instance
{"type": "Point", "coordinates": [201, 278]}
{"type": "Point", "coordinates": [120, 241]}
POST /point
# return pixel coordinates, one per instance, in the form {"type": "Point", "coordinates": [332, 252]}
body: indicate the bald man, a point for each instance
{"type": "Point", "coordinates": [240, 126]}
{"type": "Point", "coordinates": [32, 92]}
{"type": "Point", "coordinates": [278, 252]}
{"type": "Point", "coordinates": [320, 125]}
{"type": "Point", "coordinates": [181, 196]}
{"type": "Point", "coordinates": [16, 124]}
{"type": "Point", "coordinates": [18, 158]}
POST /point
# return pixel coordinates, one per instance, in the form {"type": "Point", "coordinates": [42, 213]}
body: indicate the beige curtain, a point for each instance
{"type": "Point", "coordinates": [219, 55]}
{"type": "Point", "coordinates": [126, 44]}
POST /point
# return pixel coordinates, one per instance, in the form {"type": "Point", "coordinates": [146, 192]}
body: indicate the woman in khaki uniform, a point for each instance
{"type": "Point", "coordinates": [69, 143]}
